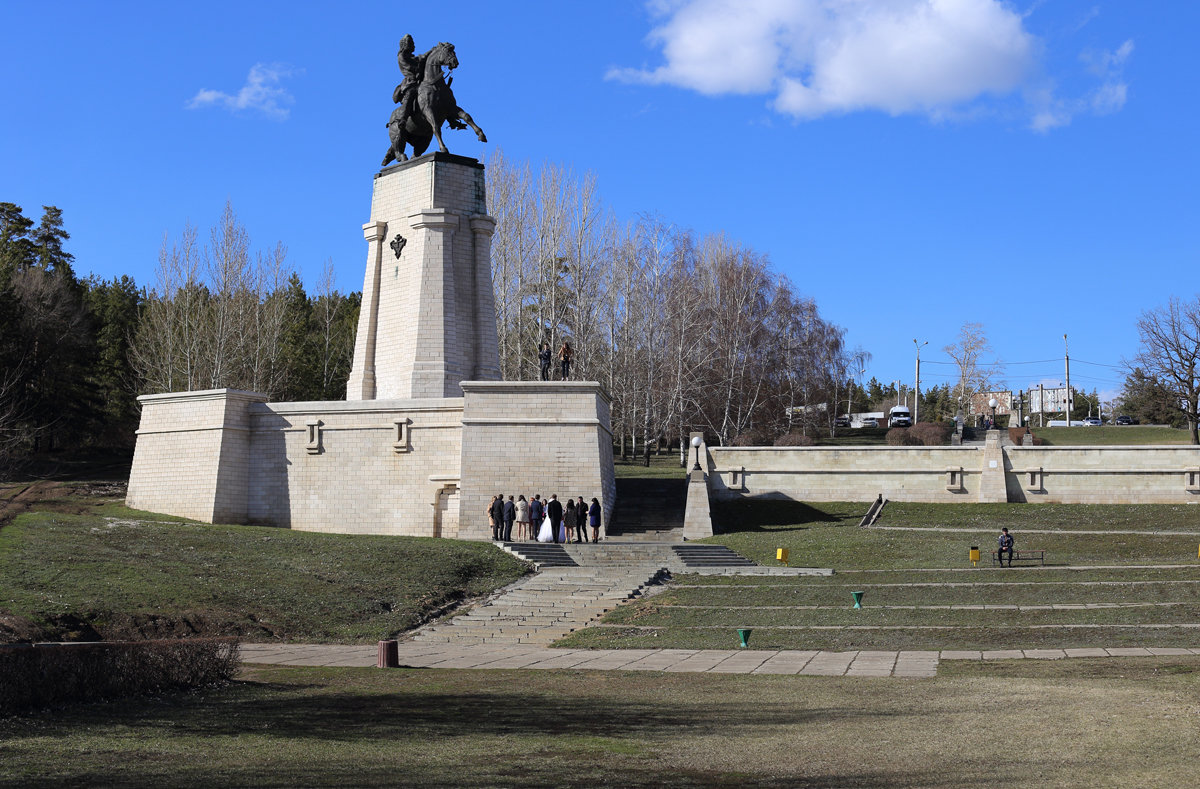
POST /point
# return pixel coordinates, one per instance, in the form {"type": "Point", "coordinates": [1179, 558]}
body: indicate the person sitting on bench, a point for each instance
{"type": "Point", "coordinates": [1006, 544]}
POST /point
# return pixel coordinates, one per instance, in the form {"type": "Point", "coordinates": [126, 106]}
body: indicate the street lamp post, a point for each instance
{"type": "Point", "coordinates": [993, 403]}
{"type": "Point", "coordinates": [917, 388]}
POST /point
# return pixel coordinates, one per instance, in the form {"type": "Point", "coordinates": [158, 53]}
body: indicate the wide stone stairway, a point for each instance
{"type": "Point", "coordinates": [546, 606]}
{"type": "Point", "coordinates": [576, 584]}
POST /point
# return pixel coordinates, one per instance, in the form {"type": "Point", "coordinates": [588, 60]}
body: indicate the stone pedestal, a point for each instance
{"type": "Point", "coordinates": [428, 319]}
{"type": "Point", "coordinates": [992, 485]}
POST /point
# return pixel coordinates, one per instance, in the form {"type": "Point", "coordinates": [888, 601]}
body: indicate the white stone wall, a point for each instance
{"type": "Point", "coordinates": [1103, 475]}
{"type": "Point", "coordinates": [845, 473]}
{"type": "Point", "coordinates": [358, 480]}
{"type": "Point", "coordinates": [192, 455]}
{"type": "Point", "coordinates": [526, 438]}
{"type": "Point", "coordinates": [1088, 475]}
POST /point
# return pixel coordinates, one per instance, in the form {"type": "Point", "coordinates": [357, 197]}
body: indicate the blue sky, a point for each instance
{"type": "Point", "coordinates": [910, 164]}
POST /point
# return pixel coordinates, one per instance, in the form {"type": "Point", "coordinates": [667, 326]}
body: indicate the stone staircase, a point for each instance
{"type": "Point", "coordinates": [545, 607]}
{"type": "Point", "coordinates": [675, 557]}
{"type": "Point", "coordinates": [649, 510]}
{"type": "Point", "coordinates": [696, 555]}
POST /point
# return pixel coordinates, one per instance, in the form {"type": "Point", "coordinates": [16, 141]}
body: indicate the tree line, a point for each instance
{"type": "Point", "coordinates": [75, 353]}
{"type": "Point", "coordinates": [685, 331]}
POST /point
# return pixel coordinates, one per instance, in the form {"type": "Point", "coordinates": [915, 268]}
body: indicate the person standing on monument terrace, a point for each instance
{"type": "Point", "coordinates": [564, 357]}
{"type": "Point", "coordinates": [537, 513]}
{"type": "Point", "coordinates": [544, 360]}
{"type": "Point", "coordinates": [510, 515]}
{"type": "Point", "coordinates": [570, 521]}
{"type": "Point", "coordinates": [491, 513]}
{"type": "Point", "coordinates": [497, 516]}
{"type": "Point", "coordinates": [581, 519]}
{"type": "Point", "coordinates": [594, 520]}
{"type": "Point", "coordinates": [522, 518]}
{"type": "Point", "coordinates": [554, 511]}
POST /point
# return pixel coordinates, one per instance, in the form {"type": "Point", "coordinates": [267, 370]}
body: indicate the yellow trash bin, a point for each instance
{"type": "Point", "coordinates": [974, 555]}
{"type": "Point", "coordinates": [781, 554]}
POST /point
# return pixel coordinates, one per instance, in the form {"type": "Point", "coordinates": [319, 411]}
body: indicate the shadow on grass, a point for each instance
{"type": "Point", "coordinates": [298, 735]}
{"type": "Point", "coordinates": [760, 515]}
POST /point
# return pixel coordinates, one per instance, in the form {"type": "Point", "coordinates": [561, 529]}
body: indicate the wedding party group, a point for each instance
{"type": "Point", "coordinates": [543, 521]}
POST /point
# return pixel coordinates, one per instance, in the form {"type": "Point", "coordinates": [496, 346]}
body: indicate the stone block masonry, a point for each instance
{"type": "Point", "coordinates": [993, 473]}
{"type": "Point", "coordinates": [534, 437]}
{"type": "Point", "coordinates": [193, 455]}
{"type": "Point", "coordinates": [428, 318]}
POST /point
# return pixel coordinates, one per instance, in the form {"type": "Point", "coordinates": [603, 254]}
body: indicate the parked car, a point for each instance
{"type": "Point", "coordinates": [1091, 421]}
{"type": "Point", "coordinates": [842, 421]}
{"type": "Point", "coordinates": [1126, 420]}
{"type": "Point", "coordinates": [870, 421]}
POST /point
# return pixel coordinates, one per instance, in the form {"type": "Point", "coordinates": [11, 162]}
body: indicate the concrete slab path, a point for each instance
{"type": "Point", "coordinates": [903, 663]}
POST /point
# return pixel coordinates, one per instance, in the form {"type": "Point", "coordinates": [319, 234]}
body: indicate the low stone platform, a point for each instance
{"type": "Point", "coordinates": [736, 661]}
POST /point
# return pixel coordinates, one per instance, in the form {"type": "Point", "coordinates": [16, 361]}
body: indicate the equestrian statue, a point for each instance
{"type": "Point", "coordinates": [424, 101]}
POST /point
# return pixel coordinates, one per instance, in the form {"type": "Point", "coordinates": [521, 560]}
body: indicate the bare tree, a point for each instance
{"type": "Point", "coordinates": [1170, 353]}
{"type": "Point", "coordinates": [215, 316]}
{"type": "Point", "coordinates": [974, 375]}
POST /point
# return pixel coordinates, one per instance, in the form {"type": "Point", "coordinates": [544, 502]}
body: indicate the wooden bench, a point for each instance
{"type": "Point", "coordinates": [1022, 555]}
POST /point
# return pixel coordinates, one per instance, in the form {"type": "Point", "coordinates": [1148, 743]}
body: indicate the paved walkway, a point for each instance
{"type": "Point", "coordinates": [718, 661]}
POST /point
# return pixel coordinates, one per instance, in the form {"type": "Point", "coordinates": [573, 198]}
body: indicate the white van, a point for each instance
{"type": "Point", "coordinates": [900, 416]}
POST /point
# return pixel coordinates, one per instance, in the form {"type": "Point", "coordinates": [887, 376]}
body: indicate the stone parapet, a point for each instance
{"type": "Point", "coordinates": [1052, 474]}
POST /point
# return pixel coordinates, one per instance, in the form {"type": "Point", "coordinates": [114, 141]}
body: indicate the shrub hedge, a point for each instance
{"type": "Point", "coordinates": [794, 440]}
{"type": "Point", "coordinates": [932, 434]}
{"type": "Point", "coordinates": [902, 437]}
{"type": "Point", "coordinates": [45, 675]}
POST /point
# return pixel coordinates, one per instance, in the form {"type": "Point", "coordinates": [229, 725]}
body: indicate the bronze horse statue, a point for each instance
{"type": "Point", "coordinates": [435, 105]}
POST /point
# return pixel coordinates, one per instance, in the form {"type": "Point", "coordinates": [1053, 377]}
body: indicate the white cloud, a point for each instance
{"type": "Point", "coordinates": [820, 57]}
{"type": "Point", "coordinates": [938, 58]}
{"type": "Point", "coordinates": [263, 92]}
{"type": "Point", "coordinates": [1107, 98]}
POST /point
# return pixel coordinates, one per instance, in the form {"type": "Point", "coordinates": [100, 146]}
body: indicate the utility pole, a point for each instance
{"type": "Point", "coordinates": [917, 388]}
{"type": "Point", "coordinates": [1067, 360]}
{"type": "Point", "coordinates": [1041, 405]}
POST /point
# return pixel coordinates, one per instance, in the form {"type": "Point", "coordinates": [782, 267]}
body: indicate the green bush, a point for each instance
{"type": "Point", "coordinates": [45, 675]}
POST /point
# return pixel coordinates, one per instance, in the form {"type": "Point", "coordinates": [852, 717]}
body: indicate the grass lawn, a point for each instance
{"type": "Point", "coordinates": [78, 567]}
{"type": "Point", "coordinates": [665, 466]}
{"type": "Point", "coordinates": [1142, 588]}
{"type": "Point", "coordinates": [1112, 435]}
{"type": "Point", "coordinates": [1030, 723]}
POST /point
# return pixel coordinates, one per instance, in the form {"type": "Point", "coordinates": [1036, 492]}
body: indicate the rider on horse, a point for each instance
{"type": "Point", "coordinates": [425, 100]}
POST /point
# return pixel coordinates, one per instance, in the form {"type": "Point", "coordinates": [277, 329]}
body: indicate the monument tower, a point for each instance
{"type": "Point", "coordinates": [428, 317]}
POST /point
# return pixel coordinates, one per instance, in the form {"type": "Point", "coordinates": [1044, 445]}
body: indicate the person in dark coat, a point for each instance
{"type": "Point", "coordinates": [554, 511]}
{"type": "Point", "coordinates": [498, 517]}
{"type": "Point", "coordinates": [544, 355]}
{"type": "Point", "coordinates": [1005, 545]}
{"type": "Point", "coordinates": [565, 355]}
{"type": "Point", "coordinates": [537, 512]}
{"type": "Point", "coordinates": [594, 520]}
{"type": "Point", "coordinates": [570, 520]}
{"type": "Point", "coordinates": [581, 520]}
{"type": "Point", "coordinates": [510, 515]}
